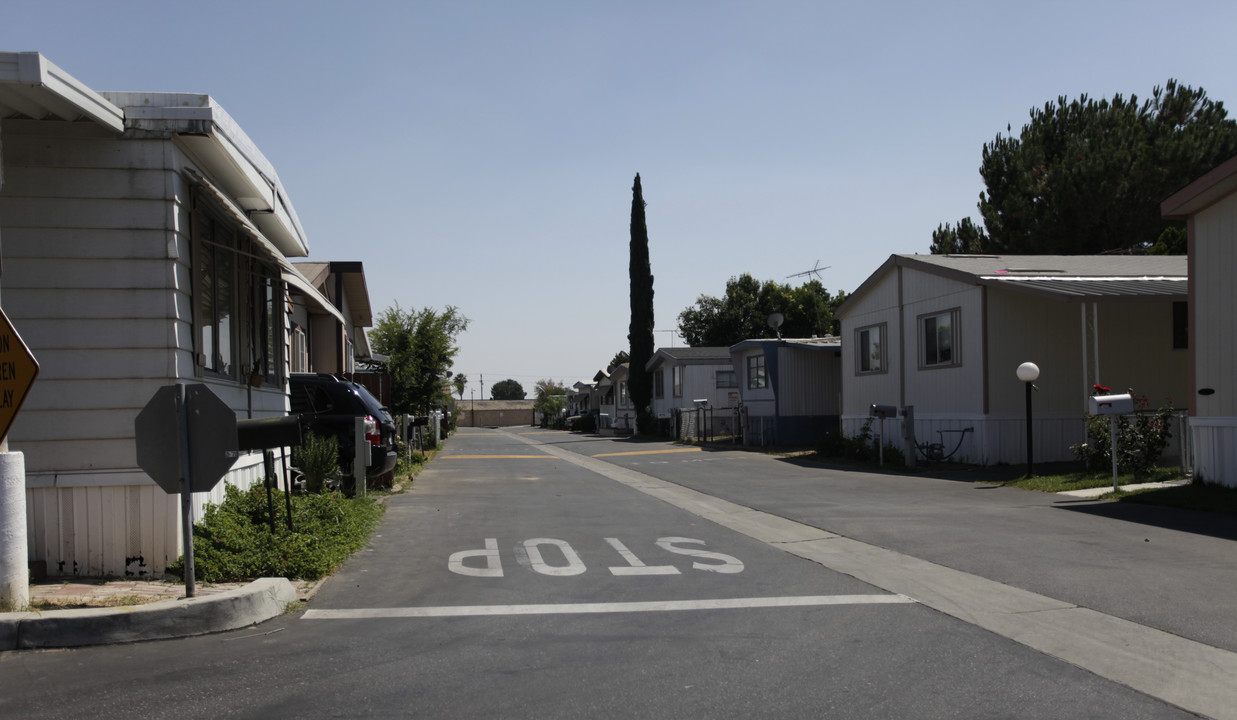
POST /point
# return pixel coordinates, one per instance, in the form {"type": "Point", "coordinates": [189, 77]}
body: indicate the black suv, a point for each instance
{"type": "Point", "coordinates": [329, 405]}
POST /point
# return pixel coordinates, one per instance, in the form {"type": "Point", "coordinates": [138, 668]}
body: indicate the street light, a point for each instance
{"type": "Point", "coordinates": [1028, 372]}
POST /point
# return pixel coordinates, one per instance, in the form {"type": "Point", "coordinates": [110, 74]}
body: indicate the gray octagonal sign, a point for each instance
{"type": "Point", "coordinates": [211, 427]}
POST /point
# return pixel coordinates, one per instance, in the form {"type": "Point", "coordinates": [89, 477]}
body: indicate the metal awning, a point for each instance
{"type": "Point", "coordinates": [1093, 288]}
{"type": "Point", "coordinates": [33, 87]}
{"type": "Point", "coordinates": [287, 271]}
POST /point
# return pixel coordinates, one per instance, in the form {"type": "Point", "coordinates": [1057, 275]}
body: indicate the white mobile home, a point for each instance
{"type": "Point", "coordinates": [685, 378]}
{"type": "Point", "coordinates": [145, 242]}
{"type": "Point", "coordinates": [946, 334]}
{"type": "Point", "coordinates": [1210, 207]}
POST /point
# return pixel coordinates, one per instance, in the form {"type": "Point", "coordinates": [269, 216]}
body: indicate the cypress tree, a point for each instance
{"type": "Point", "coordinates": [640, 332]}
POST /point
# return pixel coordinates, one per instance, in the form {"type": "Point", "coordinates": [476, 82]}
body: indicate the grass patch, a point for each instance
{"type": "Point", "coordinates": [234, 542]}
{"type": "Point", "coordinates": [1084, 479]}
{"type": "Point", "coordinates": [80, 603]}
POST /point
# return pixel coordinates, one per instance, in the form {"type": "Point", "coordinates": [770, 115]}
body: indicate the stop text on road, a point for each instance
{"type": "Point", "coordinates": [487, 561]}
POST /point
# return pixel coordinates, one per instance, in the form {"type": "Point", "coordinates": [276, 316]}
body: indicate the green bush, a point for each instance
{"type": "Point", "coordinates": [1139, 443]}
{"type": "Point", "coordinates": [862, 447]}
{"type": "Point", "coordinates": [234, 542]}
{"type": "Point", "coordinates": [318, 460]}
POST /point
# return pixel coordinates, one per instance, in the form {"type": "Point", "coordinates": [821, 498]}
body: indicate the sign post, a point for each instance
{"type": "Point", "coordinates": [18, 369]}
{"type": "Point", "coordinates": [186, 440]}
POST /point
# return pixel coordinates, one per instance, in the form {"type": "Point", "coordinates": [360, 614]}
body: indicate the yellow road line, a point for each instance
{"type": "Point", "coordinates": [648, 452]}
{"type": "Point", "coordinates": [497, 457]}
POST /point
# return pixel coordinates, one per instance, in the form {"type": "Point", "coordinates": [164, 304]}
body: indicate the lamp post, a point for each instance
{"type": "Point", "coordinates": [1028, 372]}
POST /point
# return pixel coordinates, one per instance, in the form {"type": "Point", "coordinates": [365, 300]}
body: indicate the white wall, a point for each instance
{"type": "Point", "coordinates": [1213, 249]}
{"type": "Point", "coordinates": [98, 281]}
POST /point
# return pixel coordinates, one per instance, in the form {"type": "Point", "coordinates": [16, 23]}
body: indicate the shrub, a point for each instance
{"type": "Point", "coordinates": [234, 542]}
{"type": "Point", "coordinates": [1139, 443]}
{"type": "Point", "coordinates": [318, 460]}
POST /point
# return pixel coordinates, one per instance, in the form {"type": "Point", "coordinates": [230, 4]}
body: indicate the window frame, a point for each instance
{"type": "Point", "coordinates": [955, 350]}
{"type": "Point", "coordinates": [882, 330]}
{"type": "Point", "coordinates": [717, 380]}
{"type": "Point", "coordinates": [676, 381]}
{"type": "Point", "coordinates": [659, 384]}
{"type": "Point", "coordinates": [252, 333]}
{"type": "Point", "coordinates": [757, 380]}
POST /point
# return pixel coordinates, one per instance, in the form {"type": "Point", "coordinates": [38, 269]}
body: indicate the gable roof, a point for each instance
{"type": "Point", "coordinates": [1062, 277]}
{"type": "Point", "coordinates": [1212, 187]}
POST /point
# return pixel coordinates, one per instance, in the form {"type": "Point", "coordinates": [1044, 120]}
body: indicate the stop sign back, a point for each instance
{"type": "Point", "coordinates": [161, 429]}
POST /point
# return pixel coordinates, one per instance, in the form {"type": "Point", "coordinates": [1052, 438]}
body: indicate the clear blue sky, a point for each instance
{"type": "Point", "coordinates": [481, 154]}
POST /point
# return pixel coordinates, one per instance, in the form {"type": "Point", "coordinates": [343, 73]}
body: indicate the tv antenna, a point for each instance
{"type": "Point", "coordinates": [814, 271]}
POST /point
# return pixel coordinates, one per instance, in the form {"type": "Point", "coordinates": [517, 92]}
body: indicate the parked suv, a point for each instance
{"type": "Point", "coordinates": [329, 405]}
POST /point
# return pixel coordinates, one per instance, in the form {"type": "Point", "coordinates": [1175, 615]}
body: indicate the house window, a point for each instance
{"type": "Point", "coordinates": [725, 379]}
{"type": "Point", "coordinates": [659, 384]}
{"type": "Point", "coordinates": [238, 304]}
{"type": "Point", "coordinates": [677, 380]}
{"type": "Point", "coordinates": [938, 339]}
{"type": "Point", "coordinates": [623, 392]}
{"type": "Point", "coordinates": [870, 348]}
{"type": "Point", "coordinates": [756, 378]}
{"type": "Point", "coordinates": [300, 349]}
{"type": "Point", "coordinates": [1181, 326]}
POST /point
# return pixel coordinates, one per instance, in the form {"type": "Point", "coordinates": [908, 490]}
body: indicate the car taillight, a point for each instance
{"type": "Point", "coordinates": [371, 431]}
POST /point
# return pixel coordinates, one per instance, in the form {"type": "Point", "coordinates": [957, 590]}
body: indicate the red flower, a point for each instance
{"type": "Point", "coordinates": [1100, 389]}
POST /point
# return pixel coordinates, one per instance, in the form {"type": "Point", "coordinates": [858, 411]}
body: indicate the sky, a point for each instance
{"type": "Point", "coordinates": [481, 153]}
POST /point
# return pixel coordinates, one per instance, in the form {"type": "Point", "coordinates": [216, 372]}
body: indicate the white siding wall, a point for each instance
{"type": "Point", "coordinates": [878, 307]}
{"type": "Point", "coordinates": [97, 280]}
{"type": "Point", "coordinates": [1214, 334]}
{"type": "Point", "coordinates": [809, 382]}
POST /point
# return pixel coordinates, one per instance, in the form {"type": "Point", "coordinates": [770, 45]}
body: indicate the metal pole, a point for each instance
{"type": "Point", "coordinates": [186, 491]}
{"type": "Point", "coordinates": [287, 484]}
{"type": "Point", "coordinates": [1112, 447]}
{"type": "Point", "coordinates": [1030, 437]}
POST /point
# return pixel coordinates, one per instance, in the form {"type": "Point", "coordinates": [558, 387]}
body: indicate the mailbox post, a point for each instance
{"type": "Point", "coordinates": [1112, 406]}
{"type": "Point", "coordinates": [882, 412]}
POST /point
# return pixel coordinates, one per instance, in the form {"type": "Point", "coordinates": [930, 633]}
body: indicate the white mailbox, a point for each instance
{"type": "Point", "coordinates": [1111, 404]}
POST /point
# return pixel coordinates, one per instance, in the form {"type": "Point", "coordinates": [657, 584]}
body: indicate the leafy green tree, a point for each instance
{"type": "Point", "coordinates": [619, 358]}
{"type": "Point", "coordinates": [420, 347]}
{"type": "Point", "coordinates": [550, 397]}
{"type": "Point", "coordinates": [640, 332]}
{"type": "Point", "coordinates": [460, 382]}
{"type": "Point", "coordinates": [507, 390]}
{"type": "Point", "coordinates": [743, 312]}
{"type": "Point", "coordinates": [1087, 176]}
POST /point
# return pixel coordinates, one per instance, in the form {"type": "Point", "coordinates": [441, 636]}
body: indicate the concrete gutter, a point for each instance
{"type": "Point", "coordinates": [256, 602]}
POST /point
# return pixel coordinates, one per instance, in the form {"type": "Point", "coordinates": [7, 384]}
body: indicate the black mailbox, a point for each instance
{"type": "Point", "coordinates": [883, 411]}
{"type": "Point", "coordinates": [267, 433]}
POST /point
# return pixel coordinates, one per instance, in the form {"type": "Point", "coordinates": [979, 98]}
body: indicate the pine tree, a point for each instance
{"type": "Point", "coordinates": [640, 332]}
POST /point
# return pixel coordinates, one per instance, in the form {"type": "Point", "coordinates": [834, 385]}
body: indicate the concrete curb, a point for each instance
{"type": "Point", "coordinates": [257, 602]}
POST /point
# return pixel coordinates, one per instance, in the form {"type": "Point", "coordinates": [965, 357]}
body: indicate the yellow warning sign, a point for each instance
{"type": "Point", "coordinates": [18, 369]}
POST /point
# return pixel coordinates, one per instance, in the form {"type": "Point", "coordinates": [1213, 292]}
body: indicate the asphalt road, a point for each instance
{"type": "Point", "coordinates": [550, 575]}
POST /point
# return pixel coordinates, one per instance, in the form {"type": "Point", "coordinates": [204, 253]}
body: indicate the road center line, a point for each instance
{"type": "Point", "coordinates": [604, 608]}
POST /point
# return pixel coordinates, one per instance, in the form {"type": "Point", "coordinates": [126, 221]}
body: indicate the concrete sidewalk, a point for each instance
{"type": "Point", "coordinates": [214, 608]}
{"type": "Point", "coordinates": [1101, 491]}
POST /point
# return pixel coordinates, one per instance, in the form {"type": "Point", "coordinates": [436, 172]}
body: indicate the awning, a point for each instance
{"type": "Point", "coordinates": [288, 272]}
{"type": "Point", "coordinates": [1095, 289]}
